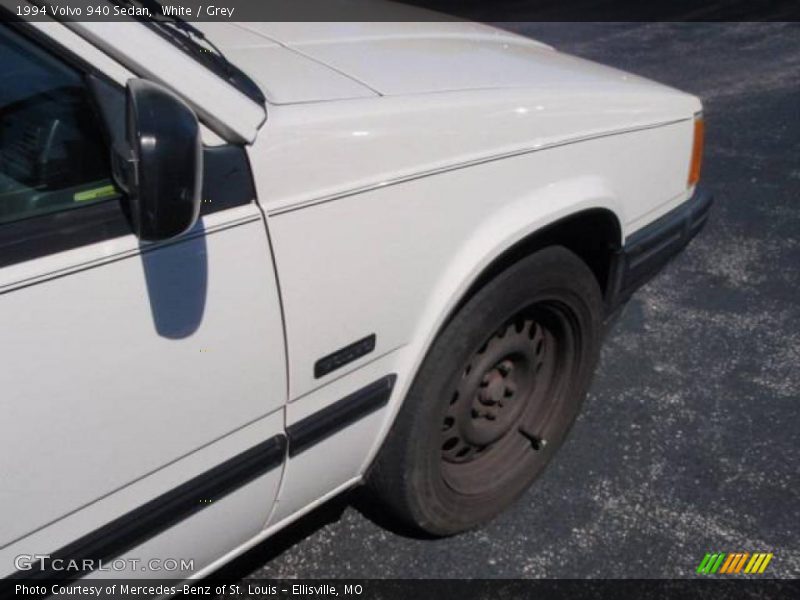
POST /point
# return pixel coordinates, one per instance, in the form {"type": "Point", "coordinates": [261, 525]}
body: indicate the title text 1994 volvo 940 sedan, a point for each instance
{"type": "Point", "coordinates": [344, 253]}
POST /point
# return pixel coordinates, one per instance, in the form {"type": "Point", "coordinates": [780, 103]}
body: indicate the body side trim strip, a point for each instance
{"type": "Point", "coordinates": [161, 513]}
{"type": "Point", "coordinates": [462, 165]}
{"type": "Point", "coordinates": [331, 419]}
{"type": "Point", "coordinates": [650, 248]}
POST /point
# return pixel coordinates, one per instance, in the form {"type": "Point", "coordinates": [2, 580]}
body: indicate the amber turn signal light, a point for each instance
{"type": "Point", "coordinates": [697, 151]}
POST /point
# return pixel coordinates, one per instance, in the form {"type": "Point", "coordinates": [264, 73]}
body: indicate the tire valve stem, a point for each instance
{"type": "Point", "coordinates": [536, 442]}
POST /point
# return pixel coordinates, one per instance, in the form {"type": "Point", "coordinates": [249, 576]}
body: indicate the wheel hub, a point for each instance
{"type": "Point", "coordinates": [494, 392]}
{"type": "Point", "coordinates": [493, 408]}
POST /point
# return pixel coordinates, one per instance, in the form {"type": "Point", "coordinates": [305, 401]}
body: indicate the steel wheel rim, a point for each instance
{"type": "Point", "coordinates": [487, 434]}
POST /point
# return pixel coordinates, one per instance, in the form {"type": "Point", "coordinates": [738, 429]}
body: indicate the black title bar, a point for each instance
{"type": "Point", "coordinates": [404, 10]}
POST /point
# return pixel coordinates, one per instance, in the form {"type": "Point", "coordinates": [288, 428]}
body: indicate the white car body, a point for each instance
{"type": "Point", "coordinates": [393, 163]}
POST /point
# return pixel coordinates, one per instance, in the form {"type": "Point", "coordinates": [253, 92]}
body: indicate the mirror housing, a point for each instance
{"type": "Point", "coordinates": [160, 166]}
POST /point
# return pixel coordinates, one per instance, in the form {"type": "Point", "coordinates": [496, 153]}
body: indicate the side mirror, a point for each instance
{"type": "Point", "coordinates": [161, 164]}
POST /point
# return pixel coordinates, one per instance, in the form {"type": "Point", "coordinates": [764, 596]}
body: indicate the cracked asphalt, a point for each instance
{"type": "Point", "coordinates": [688, 442]}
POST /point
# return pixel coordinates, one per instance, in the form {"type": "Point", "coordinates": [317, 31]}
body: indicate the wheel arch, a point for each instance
{"type": "Point", "coordinates": [594, 235]}
{"type": "Point", "coordinates": [592, 228]}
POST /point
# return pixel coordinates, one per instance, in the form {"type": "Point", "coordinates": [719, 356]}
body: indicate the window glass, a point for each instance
{"type": "Point", "coordinates": [53, 155]}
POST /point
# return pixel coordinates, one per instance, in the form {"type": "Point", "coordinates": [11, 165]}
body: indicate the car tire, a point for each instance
{"type": "Point", "coordinates": [495, 396]}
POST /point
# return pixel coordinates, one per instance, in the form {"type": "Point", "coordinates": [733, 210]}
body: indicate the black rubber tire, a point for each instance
{"type": "Point", "coordinates": [411, 476]}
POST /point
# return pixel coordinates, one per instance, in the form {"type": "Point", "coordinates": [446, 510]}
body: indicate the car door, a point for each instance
{"type": "Point", "coordinates": [142, 386]}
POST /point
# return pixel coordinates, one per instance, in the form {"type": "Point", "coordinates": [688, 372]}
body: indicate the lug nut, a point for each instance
{"type": "Point", "coordinates": [505, 367]}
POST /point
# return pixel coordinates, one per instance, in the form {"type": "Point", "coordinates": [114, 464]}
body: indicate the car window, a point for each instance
{"type": "Point", "coordinates": [53, 154]}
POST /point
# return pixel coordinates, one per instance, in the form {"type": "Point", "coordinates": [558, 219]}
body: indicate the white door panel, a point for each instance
{"type": "Point", "coordinates": [221, 525]}
{"type": "Point", "coordinates": [338, 457]}
{"type": "Point", "coordinates": [112, 372]}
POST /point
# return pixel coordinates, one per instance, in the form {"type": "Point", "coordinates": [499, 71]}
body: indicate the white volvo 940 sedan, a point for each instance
{"type": "Point", "coordinates": [237, 279]}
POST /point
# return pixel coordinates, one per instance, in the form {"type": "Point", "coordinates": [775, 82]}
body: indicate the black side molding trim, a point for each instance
{"type": "Point", "coordinates": [315, 428]}
{"type": "Point", "coordinates": [161, 513]}
{"type": "Point", "coordinates": [343, 356]}
{"type": "Point", "coordinates": [648, 250]}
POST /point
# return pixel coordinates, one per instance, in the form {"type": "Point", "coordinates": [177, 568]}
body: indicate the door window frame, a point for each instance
{"type": "Point", "coordinates": [227, 182]}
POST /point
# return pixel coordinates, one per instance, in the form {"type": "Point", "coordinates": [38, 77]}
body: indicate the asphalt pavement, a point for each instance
{"type": "Point", "coordinates": [689, 440]}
